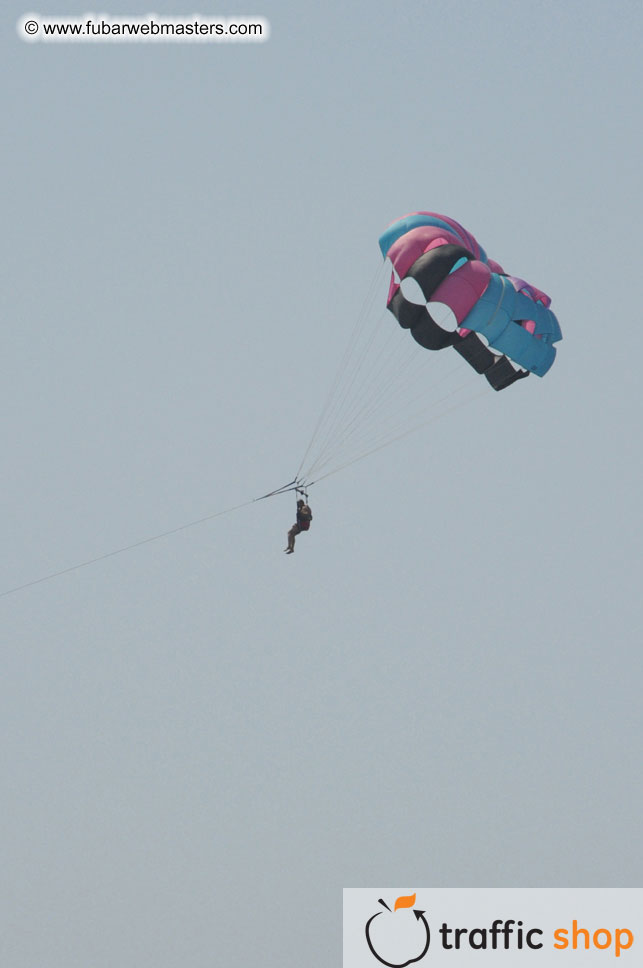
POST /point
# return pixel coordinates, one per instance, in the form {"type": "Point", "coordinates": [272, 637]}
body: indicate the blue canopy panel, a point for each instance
{"type": "Point", "coordinates": [497, 315]}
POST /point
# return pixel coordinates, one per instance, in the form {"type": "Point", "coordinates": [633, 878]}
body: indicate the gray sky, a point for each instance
{"type": "Point", "coordinates": [204, 740]}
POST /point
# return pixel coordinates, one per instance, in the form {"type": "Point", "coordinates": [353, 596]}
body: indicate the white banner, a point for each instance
{"type": "Point", "coordinates": [477, 927]}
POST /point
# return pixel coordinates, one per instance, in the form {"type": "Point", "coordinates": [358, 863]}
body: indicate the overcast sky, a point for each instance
{"type": "Point", "coordinates": [204, 739]}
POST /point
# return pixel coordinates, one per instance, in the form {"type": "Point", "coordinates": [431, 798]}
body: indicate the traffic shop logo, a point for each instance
{"type": "Point", "coordinates": [398, 937]}
{"type": "Point", "coordinates": [401, 936]}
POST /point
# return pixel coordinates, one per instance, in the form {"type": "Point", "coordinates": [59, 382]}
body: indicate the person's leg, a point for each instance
{"type": "Point", "coordinates": [291, 539]}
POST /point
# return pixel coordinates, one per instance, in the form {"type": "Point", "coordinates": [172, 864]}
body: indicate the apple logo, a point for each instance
{"type": "Point", "coordinates": [398, 938]}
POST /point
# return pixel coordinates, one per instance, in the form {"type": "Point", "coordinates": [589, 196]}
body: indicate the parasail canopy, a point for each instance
{"type": "Point", "coordinates": [504, 326]}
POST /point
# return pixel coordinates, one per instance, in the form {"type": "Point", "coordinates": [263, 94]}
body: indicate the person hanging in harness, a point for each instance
{"type": "Point", "coordinates": [304, 517]}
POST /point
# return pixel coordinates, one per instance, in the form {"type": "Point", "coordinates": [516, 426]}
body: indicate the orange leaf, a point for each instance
{"type": "Point", "coordinates": [402, 902]}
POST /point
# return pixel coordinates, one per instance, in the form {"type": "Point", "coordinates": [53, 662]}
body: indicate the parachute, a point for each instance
{"type": "Point", "coordinates": [449, 294]}
{"type": "Point", "coordinates": [502, 326]}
